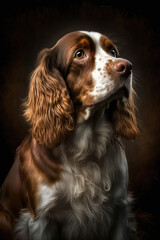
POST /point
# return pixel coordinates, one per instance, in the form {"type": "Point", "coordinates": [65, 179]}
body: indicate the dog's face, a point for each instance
{"type": "Point", "coordinates": [80, 72]}
{"type": "Point", "coordinates": [95, 72]}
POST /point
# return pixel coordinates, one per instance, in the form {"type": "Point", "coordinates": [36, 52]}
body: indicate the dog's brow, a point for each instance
{"type": "Point", "coordinates": [107, 44]}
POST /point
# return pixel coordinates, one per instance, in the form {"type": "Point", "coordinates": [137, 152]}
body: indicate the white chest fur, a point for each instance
{"type": "Point", "coordinates": [86, 186]}
{"type": "Point", "coordinates": [85, 196]}
{"type": "Point", "coordinates": [94, 179]}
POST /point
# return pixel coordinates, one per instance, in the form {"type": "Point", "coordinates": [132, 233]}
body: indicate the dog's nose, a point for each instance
{"type": "Point", "coordinates": [122, 67]}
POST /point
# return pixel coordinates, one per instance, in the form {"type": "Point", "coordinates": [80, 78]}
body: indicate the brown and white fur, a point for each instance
{"type": "Point", "coordinates": [70, 176]}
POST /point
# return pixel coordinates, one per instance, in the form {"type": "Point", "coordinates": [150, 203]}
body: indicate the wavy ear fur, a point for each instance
{"type": "Point", "coordinates": [49, 108]}
{"type": "Point", "coordinates": [123, 117]}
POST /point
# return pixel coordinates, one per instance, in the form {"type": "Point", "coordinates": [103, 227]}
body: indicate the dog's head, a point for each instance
{"type": "Point", "coordinates": [81, 72]}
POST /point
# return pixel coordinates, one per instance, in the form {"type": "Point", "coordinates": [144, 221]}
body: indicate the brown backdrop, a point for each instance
{"type": "Point", "coordinates": [27, 29]}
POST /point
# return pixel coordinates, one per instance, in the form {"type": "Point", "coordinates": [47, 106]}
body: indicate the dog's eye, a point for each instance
{"type": "Point", "coordinates": [113, 52]}
{"type": "Point", "coordinates": [79, 54]}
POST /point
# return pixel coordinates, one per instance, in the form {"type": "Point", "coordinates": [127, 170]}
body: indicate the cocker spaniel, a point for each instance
{"type": "Point", "coordinates": [70, 176]}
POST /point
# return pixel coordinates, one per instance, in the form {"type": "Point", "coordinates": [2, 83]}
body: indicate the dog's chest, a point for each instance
{"type": "Point", "coordinates": [77, 202]}
{"type": "Point", "coordinates": [85, 181]}
{"type": "Point", "coordinates": [82, 199]}
{"type": "Point", "coordinates": [84, 189]}
{"type": "Point", "coordinates": [80, 193]}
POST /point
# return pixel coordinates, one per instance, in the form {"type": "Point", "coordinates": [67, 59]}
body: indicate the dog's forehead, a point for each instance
{"type": "Point", "coordinates": [102, 42]}
{"type": "Point", "coordinates": [95, 36]}
{"type": "Point", "coordinates": [74, 37]}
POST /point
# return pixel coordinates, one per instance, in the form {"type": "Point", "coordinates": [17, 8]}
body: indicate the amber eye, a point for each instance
{"type": "Point", "coordinates": [79, 54]}
{"type": "Point", "coordinates": [113, 52]}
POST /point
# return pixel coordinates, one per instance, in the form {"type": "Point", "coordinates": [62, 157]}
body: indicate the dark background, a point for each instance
{"type": "Point", "coordinates": [27, 28]}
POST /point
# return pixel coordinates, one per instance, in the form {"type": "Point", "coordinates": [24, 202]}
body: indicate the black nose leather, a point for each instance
{"type": "Point", "coordinates": [122, 67]}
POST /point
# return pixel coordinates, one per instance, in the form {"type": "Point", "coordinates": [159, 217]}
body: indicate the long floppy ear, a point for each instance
{"type": "Point", "coordinates": [49, 108]}
{"type": "Point", "coordinates": [123, 118]}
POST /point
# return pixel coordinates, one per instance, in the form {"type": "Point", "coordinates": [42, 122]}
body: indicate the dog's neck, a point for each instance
{"type": "Point", "coordinates": [88, 141]}
{"type": "Point", "coordinates": [89, 138]}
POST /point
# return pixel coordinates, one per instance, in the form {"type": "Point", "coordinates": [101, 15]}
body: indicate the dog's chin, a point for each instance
{"type": "Point", "coordinates": [121, 95]}
{"type": "Point", "coordinates": [109, 104]}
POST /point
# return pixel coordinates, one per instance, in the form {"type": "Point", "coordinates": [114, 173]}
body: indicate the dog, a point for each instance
{"type": "Point", "coordinates": [69, 178]}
